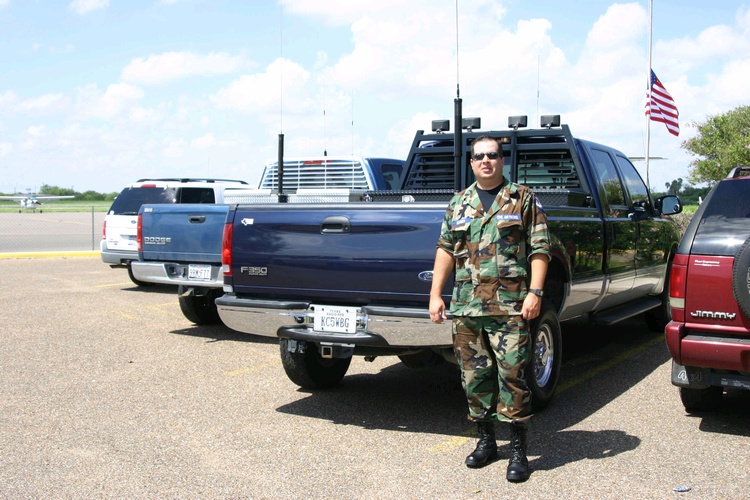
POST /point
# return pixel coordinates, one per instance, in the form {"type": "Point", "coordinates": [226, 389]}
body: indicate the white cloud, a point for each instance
{"type": "Point", "coordinates": [8, 100]}
{"type": "Point", "coordinates": [343, 12]}
{"type": "Point", "coordinates": [44, 103]}
{"type": "Point", "coordinates": [115, 102]}
{"type": "Point", "coordinates": [260, 92]}
{"type": "Point", "coordinates": [170, 66]}
{"type": "Point", "coordinates": [32, 137]}
{"type": "Point", "coordinates": [82, 7]}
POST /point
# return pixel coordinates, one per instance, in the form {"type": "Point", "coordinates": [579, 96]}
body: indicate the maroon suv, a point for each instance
{"type": "Point", "coordinates": [709, 293]}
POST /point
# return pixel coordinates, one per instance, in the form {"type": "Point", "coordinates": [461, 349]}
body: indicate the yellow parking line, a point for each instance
{"type": "Point", "coordinates": [250, 369]}
{"type": "Point", "coordinates": [44, 255]}
{"type": "Point", "coordinates": [125, 315]}
{"type": "Point", "coordinates": [595, 371]}
{"type": "Point", "coordinates": [114, 284]}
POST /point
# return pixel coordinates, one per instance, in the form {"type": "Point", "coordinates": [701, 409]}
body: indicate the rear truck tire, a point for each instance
{"type": "Point", "coordinates": [136, 280]}
{"type": "Point", "coordinates": [309, 370]}
{"type": "Point", "coordinates": [543, 369]}
{"type": "Point", "coordinates": [658, 317]}
{"type": "Point", "coordinates": [199, 309]}
{"type": "Point", "coordinates": [741, 278]}
{"type": "Point", "coordinates": [701, 399]}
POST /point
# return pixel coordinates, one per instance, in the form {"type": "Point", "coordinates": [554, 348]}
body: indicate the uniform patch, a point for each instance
{"type": "Point", "coordinates": [461, 222]}
{"type": "Point", "coordinates": [508, 217]}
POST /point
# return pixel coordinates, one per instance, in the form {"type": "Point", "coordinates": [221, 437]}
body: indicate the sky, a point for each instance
{"type": "Point", "coordinates": [95, 94]}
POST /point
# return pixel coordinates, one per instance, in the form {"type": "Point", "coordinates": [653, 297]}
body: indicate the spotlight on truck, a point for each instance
{"type": "Point", "coordinates": [470, 124]}
{"type": "Point", "coordinates": [549, 121]}
{"type": "Point", "coordinates": [516, 122]}
{"type": "Point", "coordinates": [440, 126]}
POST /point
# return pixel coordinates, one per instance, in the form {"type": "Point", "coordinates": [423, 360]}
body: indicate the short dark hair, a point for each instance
{"type": "Point", "coordinates": [483, 138]}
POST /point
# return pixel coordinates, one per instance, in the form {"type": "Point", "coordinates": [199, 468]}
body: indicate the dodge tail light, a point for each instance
{"type": "Point", "coordinates": [139, 232]}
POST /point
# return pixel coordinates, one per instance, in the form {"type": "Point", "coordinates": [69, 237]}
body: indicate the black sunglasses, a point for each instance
{"type": "Point", "coordinates": [492, 155]}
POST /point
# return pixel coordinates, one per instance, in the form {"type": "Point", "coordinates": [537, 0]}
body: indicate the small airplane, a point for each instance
{"type": "Point", "coordinates": [33, 201]}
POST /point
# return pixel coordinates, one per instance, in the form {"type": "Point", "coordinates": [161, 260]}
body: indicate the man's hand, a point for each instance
{"type": "Point", "coordinates": [437, 310]}
{"type": "Point", "coordinates": [443, 267]}
{"type": "Point", "coordinates": [532, 306]}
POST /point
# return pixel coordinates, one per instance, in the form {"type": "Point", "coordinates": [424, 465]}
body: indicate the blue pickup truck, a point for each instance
{"type": "Point", "coordinates": [341, 280]}
{"type": "Point", "coordinates": [181, 244]}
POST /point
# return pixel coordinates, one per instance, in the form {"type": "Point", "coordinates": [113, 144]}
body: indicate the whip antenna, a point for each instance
{"type": "Point", "coordinates": [458, 141]}
{"type": "Point", "coordinates": [280, 159]}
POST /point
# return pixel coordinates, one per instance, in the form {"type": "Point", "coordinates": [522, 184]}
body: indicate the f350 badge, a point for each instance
{"type": "Point", "coordinates": [254, 271]}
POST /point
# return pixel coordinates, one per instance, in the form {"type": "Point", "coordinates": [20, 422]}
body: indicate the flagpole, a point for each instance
{"type": "Point", "coordinates": [648, 87]}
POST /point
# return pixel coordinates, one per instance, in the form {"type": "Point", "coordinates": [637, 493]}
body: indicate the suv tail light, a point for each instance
{"type": "Point", "coordinates": [226, 249]}
{"type": "Point", "coordinates": [677, 286]}
{"type": "Point", "coordinates": [139, 232]}
{"type": "Point", "coordinates": [104, 230]}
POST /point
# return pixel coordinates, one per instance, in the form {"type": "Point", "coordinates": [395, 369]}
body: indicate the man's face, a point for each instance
{"type": "Point", "coordinates": [488, 172]}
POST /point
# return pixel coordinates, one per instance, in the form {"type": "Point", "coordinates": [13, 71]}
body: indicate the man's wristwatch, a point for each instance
{"type": "Point", "coordinates": [537, 291]}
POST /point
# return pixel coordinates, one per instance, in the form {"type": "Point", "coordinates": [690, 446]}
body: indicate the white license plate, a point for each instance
{"type": "Point", "coordinates": [199, 272]}
{"type": "Point", "coordinates": [334, 319]}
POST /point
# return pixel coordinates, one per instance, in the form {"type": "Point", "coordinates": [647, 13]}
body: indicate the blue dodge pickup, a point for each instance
{"type": "Point", "coordinates": [333, 281]}
{"type": "Point", "coordinates": [181, 244]}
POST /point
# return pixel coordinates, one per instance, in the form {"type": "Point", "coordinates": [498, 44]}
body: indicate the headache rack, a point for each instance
{"type": "Point", "coordinates": [326, 173]}
{"type": "Point", "coordinates": [545, 160]}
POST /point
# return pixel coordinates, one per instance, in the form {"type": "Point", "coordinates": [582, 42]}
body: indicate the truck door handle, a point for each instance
{"type": "Point", "coordinates": [196, 219]}
{"type": "Point", "coordinates": [335, 224]}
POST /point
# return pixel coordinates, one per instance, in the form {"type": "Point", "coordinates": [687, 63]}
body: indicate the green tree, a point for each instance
{"type": "Point", "coordinates": [722, 142]}
{"type": "Point", "coordinates": [674, 186]}
{"type": "Point", "coordinates": [55, 190]}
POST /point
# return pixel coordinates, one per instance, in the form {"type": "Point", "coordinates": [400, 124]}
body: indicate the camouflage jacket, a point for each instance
{"type": "Point", "coordinates": [491, 249]}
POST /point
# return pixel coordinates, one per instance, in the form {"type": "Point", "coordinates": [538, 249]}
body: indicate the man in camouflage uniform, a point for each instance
{"type": "Point", "coordinates": [500, 256]}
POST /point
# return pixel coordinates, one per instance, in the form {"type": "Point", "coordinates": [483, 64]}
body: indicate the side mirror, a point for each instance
{"type": "Point", "coordinates": [668, 205]}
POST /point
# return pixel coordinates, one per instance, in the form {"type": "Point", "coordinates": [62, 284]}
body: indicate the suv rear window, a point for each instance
{"type": "Point", "coordinates": [129, 201]}
{"type": "Point", "coordinates": [725, 221]}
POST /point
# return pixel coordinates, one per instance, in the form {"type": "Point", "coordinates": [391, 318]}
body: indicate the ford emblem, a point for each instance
{"type": "Point", "coordinates": [425, 276]}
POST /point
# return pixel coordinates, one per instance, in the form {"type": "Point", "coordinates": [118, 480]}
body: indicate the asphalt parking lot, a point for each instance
{"type": "Point", "coordinates": [109, 392]}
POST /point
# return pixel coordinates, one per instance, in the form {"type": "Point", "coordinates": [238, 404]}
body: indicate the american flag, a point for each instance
{"type": "Point", "coordinates": [660, 106]}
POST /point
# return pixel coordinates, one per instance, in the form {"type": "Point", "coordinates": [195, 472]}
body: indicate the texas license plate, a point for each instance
{"type": "Point", "coordinates": [335, 319]}
{"type": "Point", "coordinates": [199, 272]}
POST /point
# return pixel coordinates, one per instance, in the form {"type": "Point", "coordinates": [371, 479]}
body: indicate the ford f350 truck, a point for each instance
{"type": "Point", "coordinates": [332, 281]}
{"type": "Point", "coordinates": [181, 244]}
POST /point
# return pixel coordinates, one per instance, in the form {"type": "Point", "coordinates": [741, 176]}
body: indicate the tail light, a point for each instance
{"type": "Point", "coordinates": [678, 286]}
{"type": "Point", "coordinates": [104, 230]}
{"type": "Point", "coordinates": [226, 249]}
{"type": "Point", "coordinates": [139, 232]}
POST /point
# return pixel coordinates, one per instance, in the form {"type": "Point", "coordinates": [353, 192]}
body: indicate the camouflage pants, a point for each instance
{"type": "Point", "coordinates": [492, 352]}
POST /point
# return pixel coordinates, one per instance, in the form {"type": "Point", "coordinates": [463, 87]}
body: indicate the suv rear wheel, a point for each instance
{"type": "Point", "coordinates": [701, 399]}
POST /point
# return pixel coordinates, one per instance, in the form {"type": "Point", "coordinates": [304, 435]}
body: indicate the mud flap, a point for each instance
{"type": "Point", "coordinates": [690, 376]}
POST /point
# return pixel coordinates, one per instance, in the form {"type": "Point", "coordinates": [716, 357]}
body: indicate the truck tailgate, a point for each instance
{"type": "Point", "coordinates": [386, 250]}
{"type": "Point", "coordinates": [182, 233]}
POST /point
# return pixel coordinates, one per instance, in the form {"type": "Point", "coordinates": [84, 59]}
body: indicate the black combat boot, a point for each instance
{"type": "Point", "coordinates": [518, 467]}
{"type": "Point", "coordinates": [486, 449]}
